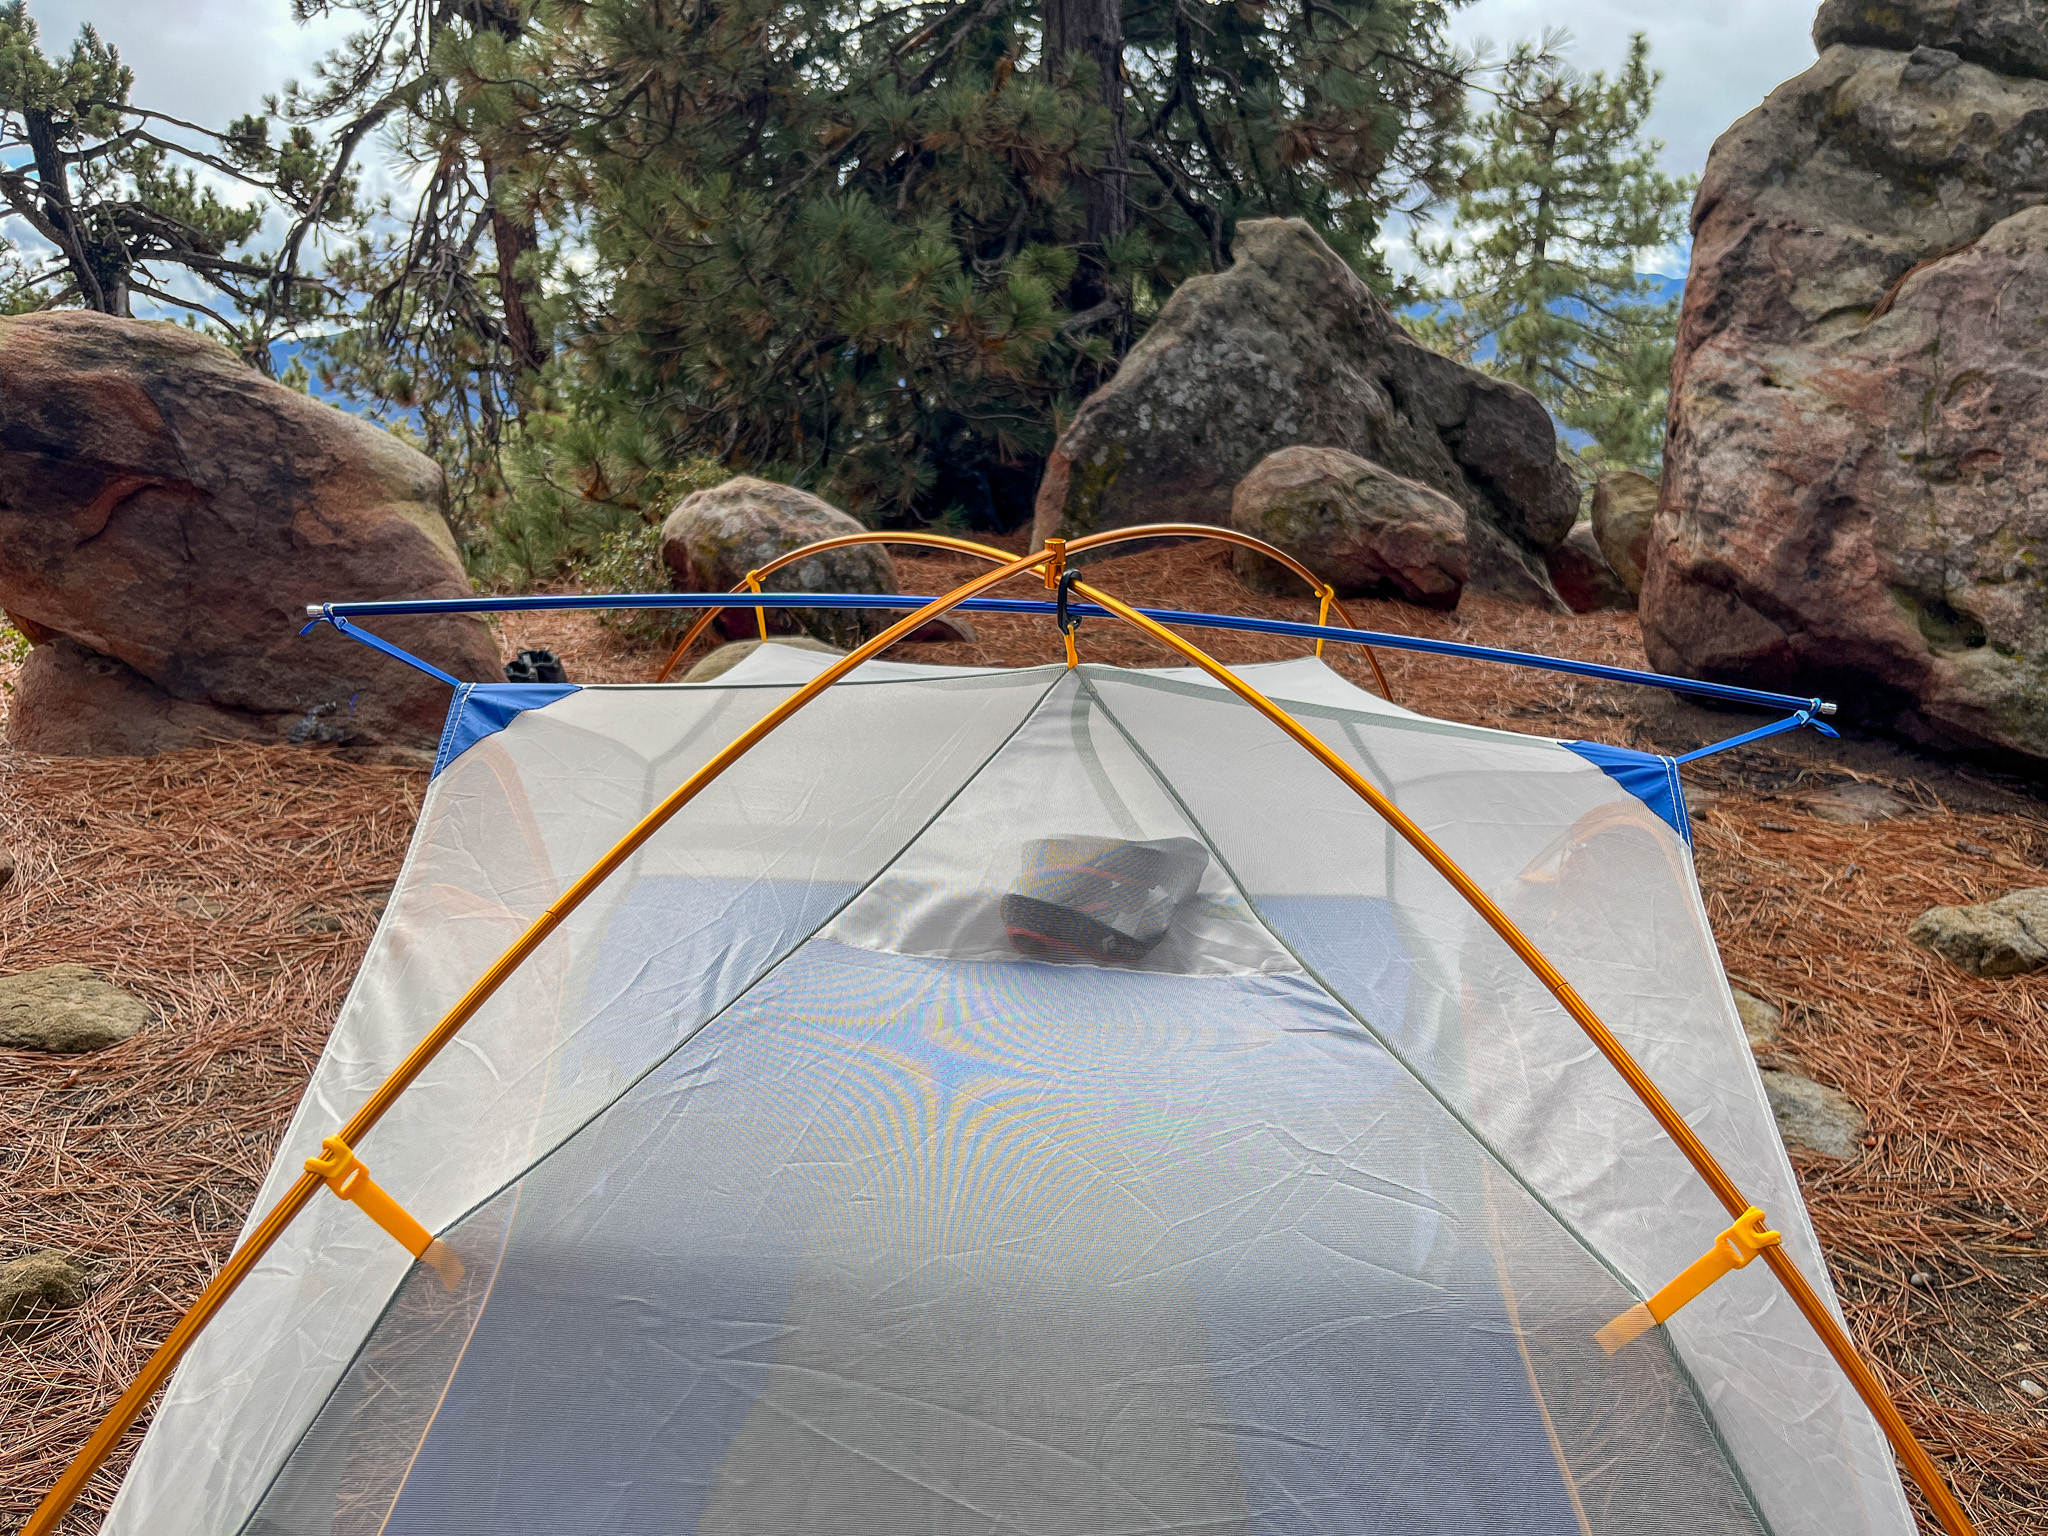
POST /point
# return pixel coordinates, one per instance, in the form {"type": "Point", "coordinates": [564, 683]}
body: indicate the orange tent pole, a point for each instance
{"type": "Point", "coordinates": [1316, 584]}
{"type": "Point", "coordinates": [131, 1402]}
{"type": "Point", "coordinates": [1322, 589]}
{"type": "Point", "coordinates": [790, 557]}
{"type": "Point", "coordinates": [1947, 1508]}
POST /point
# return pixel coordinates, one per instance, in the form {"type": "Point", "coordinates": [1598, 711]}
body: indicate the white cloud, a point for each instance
{"type": "Point", "coordinates": [1719, 60]}
{"type": "Point", "coordinates": [207, 61]}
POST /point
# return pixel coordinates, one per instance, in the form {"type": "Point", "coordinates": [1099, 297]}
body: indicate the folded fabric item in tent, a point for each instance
{"type": "Point", "coordinates": [1098, 898]}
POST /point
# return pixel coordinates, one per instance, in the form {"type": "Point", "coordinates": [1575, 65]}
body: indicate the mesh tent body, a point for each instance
{"type": "Point", "coordinates": [791, 1197]}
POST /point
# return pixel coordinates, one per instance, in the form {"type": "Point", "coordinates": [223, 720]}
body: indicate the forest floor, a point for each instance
{"type": "Point", "coordinates": [236, 889]}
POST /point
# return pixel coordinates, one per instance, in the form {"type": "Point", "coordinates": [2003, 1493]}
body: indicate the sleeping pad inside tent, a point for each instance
{"type": "Point", "coordinates": [1034, 1101]}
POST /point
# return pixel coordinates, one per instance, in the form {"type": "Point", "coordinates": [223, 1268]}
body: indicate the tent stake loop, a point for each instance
{"type": "Point", "coordinates": [1734, 1248]}
{"type": "Point", "coordinates": [344, 1173]}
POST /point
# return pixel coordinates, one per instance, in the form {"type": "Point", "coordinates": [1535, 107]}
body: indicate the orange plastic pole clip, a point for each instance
{"type": "Point", "coordinates": [1328, 595]}
{"type": "Point", "coordinates": [760, 614]}
{"type": "Point", "coordinates": [345, 1174]}
{"type": "Point", "coordinates": [1056, 567]}
{"type": "Point", "coordinates": [1734, 1248]}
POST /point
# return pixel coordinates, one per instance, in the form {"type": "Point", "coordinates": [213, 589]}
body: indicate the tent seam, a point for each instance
{"type": "Point", "coordinates": [355, 1355]}
{"type": "Point", "coordinates": [1684, 1371]}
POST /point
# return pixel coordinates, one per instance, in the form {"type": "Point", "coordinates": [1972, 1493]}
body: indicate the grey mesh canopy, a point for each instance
{"type": "Point", "coordinates": [797, 1196]}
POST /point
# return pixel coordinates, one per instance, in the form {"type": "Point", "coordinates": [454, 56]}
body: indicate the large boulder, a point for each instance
{"type": "Point", "coordinates": [1856, 488]}
{"type": "Point", "coordinates": [2005, 35]}
{"type": "Point", "coordinates": [1290, 348]}
{"type": "Point", "coordinates": [1624, 508]}
{"type": "Point", "coordinates": [1363, 529]}
{"type": "Point", "coordinates": [166, 514]}
{"type": "Point", "coordinates": [714, 537]}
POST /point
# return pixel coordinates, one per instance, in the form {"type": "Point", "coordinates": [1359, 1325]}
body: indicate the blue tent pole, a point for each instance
{"type": "Point", "coordinates": [1726, 692]}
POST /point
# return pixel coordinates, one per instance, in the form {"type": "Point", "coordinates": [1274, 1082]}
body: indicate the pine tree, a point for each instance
{"type": "Point", "coordinates": [113, 209]}
{"type": "Point", "coordinates": [882, 250]}
{"type": "Point", "coordinates": [1558, 201]}
{"type": "Point", "coordinates": [445, 339]}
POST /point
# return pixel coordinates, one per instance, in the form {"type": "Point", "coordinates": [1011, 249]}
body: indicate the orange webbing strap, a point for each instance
{"type": "Point", "coordinates": [790, 557]}
{"type": "Point", "coordinates": [343, 1172]}
{"type": "Point", "coordinates": [760, 614]}
{"type": "Point", "coordinates": [245, 1258]}
{"type": "Point", "coordinates": [1732, 1250]}
{"type": "Point", "coordinates": [1838, 1342]}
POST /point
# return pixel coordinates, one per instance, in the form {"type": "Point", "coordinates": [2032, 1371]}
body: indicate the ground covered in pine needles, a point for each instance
{"type": "Point", "coordinates": [236, 889]}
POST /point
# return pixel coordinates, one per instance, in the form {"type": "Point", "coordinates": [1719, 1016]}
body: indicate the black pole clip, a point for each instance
{"type": "Point", "coordinates": [1067, 622]}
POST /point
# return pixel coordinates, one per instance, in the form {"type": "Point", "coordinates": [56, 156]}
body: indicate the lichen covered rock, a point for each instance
{"type": "Point", "coordinates": [2006, 937]}
{"type": "Point", "coordinates": [40, 1283]}
{"type": "Point", "coordinates": [1814, 1116]}
{"type": "Point", "coordinates": [1289, 348]}
{"type": "Point", "coordinates": [1363, 529]}
{"type": "Point", "coordinates": [67, 1008]}
{"type": "Point", "coordinates": [2002, 35]}
{"type": "Point", "coordinates": [1624, 507]}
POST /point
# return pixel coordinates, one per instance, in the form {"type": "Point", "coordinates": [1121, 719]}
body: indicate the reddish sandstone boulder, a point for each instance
{"type": "Point", "coordinates": [1855, 495]}
{"type": "Point", "coordinates": [166, 514]}
{"type": "Point", "coordinates": [1363, 529]}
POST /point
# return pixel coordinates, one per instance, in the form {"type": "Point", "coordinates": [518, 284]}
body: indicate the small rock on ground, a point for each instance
{"type": "Point", "coordinates": [6, 868]}
{"type": "Point", "coordinates": [1816, 1118]}
{"type": "Point", "coordinates": [726, 657]}
{"type": "Point", "coordinates": [2006, 937]}
{"type": "Point", "coordinates": [66, 1008]}
{"type": "Point", "coordinates": [1760, 1019]}
{"type": "Point", "coordinates": [40, 1282]}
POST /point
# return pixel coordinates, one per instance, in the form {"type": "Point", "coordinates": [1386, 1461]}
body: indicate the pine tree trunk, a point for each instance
{"type": "Point", "coordinates": [1095, 29]}
{"type": "Point", "coordinates": [53, 181]}
{"type": "Point", "coordinates": [513, 233]}
{"type": "Point", "coordinates": [512, 229]}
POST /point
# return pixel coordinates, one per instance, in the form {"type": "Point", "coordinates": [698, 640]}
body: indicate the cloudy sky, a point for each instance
{"type": "Point", "coordinates": [1719, 58]}
{"type": "Point", "coordinates": [209, 60]}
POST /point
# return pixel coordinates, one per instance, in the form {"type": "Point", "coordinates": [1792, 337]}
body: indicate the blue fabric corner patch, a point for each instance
{"type": "Point", "coordinates": [484, 709]}
{"type": "Point", "coordinates": [1650, 778]}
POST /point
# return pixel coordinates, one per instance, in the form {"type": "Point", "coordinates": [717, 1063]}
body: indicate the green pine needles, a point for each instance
{"type": "Point", "coordinates": [110, 202]}
{"type": "Point", "coordinates": [882, 251]}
